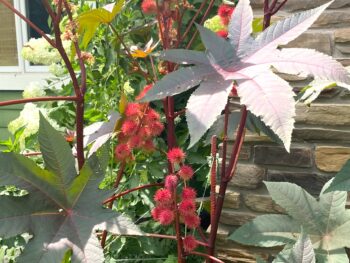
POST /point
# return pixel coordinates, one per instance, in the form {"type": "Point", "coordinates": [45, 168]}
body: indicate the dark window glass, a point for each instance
{"type": "Point", "coordinates": [36, 12]}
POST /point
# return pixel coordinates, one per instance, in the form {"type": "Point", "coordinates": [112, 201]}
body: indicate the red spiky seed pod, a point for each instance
{"type": "Point", "coordinates": [163, 196]}
{"type": "Point", "coordinates": [133, 110]}
{"type": "Point", "coordinates": [188, 193]}
{"type": "Point", "coordinates": [171, 182]}
{"type": "Point", "coordinates": [187, 206]}
{"type": "Point", "coordinates": [225, 13]}
{"type": "Point", "coordinates": [129, 127]}
{"type": "Point", "coordinates": [152, 116]}
{"type": "Point", "coordinates": [186, 172]}
{"type": "Point", "coordinates": [122, 152]}
{"type": "Point", "coordinates": [176, 155]}
{"type": "Point", "coordinates": [156, 128]}
{"type": "Point", "coordinates": [149, 7]}
{"type": "Point", "coordinates": [190, 243]}
{"type": "Point", "coordinates": [166, 217]}
{"type": "Point", "coordinates": [191, 220]}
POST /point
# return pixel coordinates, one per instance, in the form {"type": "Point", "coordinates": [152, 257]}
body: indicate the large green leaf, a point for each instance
{"type": "Point", "coordinates": [56, 152]}
{"type": "Point", "coordinates": [325, 221]}
{"type": "Point", "coordinates": [90, 20]}
{"type": "Point", "coordinates": [60, 213]}
{"type": "Point", "coordinates": [267, 231]}
{"type": "Point", "coordinates": [341, 181]}
{"type": "Point", "coordinates": [301, 252]}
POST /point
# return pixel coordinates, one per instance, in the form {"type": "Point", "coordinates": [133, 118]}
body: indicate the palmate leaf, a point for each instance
{"type": "Point", "coordinates": [325, 221]}
{"type": "Point", "coordinates": [210, 102]}
{"type": "Point", "coordinates": [241, 26]}
{"type": "Point", "coordinates": [341, 181]}
{"type": "Point", "coordinates": [90, 20]}
{"type": "Point", "coordinates": [275, 103]}
{"type": "Point", "coordinates": [283, 32]}
{"type": "Point", "coordinates": [301, 252]}
{"type": "Point", "coordinates": [61, 214]}
{"type": "Point", "coordinates": [248, 60]}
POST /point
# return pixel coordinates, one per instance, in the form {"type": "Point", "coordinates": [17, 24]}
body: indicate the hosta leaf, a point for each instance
{"type": "Point", "coordinates": [178, 82]}
{"type": "Point", "coordinates": [56, 152]}
{"type": "Point", "coordinates": [220, 50]}
{"type": "Point", "coordinates": [59, 216]}
{"type": "Point", "coordinates": [282, 32]}
{"type": "Point", "coordinates": [205, 105]}
{"type": "Point", "coordinates": [269, 97]}
{"type": "Point", "coordinates": [184, 56]}
{"type": "Point", "coordinates": [267, 231]}
{"type": "Point", "coordinates": [341, 181]}
{"type": "Point", "coordinates": [240, 27]}
{"type": "Point", "coordinates": [90, 20]}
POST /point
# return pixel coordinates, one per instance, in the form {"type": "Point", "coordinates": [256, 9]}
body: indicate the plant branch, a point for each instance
{"type": "Point", "coordinates": [211, 258]}
{"type": "Point", "coordinates": [213, 179]}
{"type": "Point", "coordinates": [114, 197]}
{"type": "Point", "coordinates": [39, 99]}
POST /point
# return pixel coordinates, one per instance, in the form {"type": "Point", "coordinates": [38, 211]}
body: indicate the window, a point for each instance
{"type": "Point", "coordinates": [15, 73]}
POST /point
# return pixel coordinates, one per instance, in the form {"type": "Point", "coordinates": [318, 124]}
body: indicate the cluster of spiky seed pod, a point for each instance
{"type": "Point", "coordinates": [140, 125]}
{"type": "Point", "coordinates": [168, 201]}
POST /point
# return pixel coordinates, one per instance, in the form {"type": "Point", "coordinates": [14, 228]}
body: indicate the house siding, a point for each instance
{"type": "Point", "coordinates": [8, 113]}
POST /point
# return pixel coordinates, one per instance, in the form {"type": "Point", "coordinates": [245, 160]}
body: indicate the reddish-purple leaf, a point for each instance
{"type": "Point", "coordinates": [205, 105]}
{"type": "Point", "coordinates": [271, 98]}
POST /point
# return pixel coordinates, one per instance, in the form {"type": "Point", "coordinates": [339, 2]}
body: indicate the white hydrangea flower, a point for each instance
{"type": "Point", "coordinates": [57, 69]}
{"type": "Point", "coordinates": [33, 90]}
{"type": "Point", "coordinates": [39, 51]}
{"type": "Point", "coordinates": [29, 119]}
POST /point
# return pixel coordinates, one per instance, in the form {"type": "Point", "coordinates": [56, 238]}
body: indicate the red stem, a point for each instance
{"type": "Point", "coordinates": [224, 182]}
{"type": "Point", "coordinates": [211, 258]}
{"type": "Point", "coordinates": [39, 99]}
{"type": "Point", "coordinates": [114, 197]}
{"type": "Point", "coordinates": [213, 180]}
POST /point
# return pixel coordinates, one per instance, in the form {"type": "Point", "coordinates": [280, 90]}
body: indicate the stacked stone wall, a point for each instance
{"type": "Point", "coordinates": [321, 139]}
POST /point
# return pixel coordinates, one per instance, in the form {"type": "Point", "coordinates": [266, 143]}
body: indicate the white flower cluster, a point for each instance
{"type": "Point", "coordinates": [39, 51]}
{"type": "Point", "coordinates": [29, 120]}
{"type": "Point", "coordinates": [33, 90]}
{"type": "Point", "coordinates": [57, 69]}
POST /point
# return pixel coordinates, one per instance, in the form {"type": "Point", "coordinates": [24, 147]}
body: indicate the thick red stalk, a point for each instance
{"type": "Point", "coordinates": [213, 179]}
{"type": "Point", "coordinates": [227, 174]}
{"type": "Point", "coordinates": [225, 180]}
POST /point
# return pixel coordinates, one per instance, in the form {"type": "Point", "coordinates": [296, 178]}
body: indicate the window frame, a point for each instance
{"type": "Point", "coordinates": [23, 73]}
